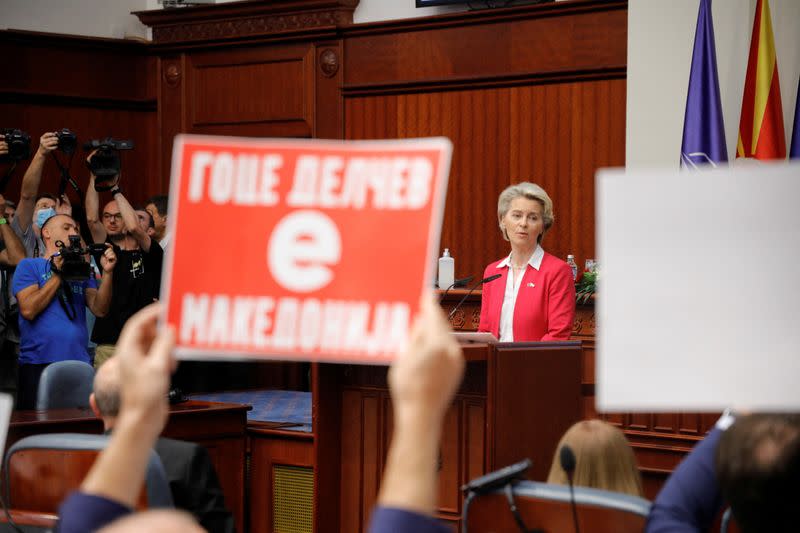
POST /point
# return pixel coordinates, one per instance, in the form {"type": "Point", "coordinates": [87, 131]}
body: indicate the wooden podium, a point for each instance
{"type": "Point", "coordinates": [515, 402]}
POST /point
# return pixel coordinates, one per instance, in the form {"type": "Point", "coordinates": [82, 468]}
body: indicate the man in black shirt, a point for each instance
{"type": "Point", "coordinates": [137, 279]}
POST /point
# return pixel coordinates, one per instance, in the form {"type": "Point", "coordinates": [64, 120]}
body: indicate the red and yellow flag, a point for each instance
{"type": "Point", "coordinates": [761, 132]}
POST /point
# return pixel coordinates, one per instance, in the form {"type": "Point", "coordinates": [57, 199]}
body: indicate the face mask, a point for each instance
{"type": "Point", "coordinates": [43, 214]}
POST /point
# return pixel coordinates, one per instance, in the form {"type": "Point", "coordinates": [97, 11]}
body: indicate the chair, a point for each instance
{"type": "Point", "coordinates": [28, 522]}
{"type": "Point", "coordinates": [41, 470]}
{"type": "Point", "coordinates": [547, 507]}
{"type": "Point", "coordinates": [65, 384]}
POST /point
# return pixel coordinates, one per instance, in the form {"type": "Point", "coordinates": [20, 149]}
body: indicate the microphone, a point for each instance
{"type": "Point", "coordinates": [567, 459]}
{"type": "Point", "coordinates": [459, 282]}
{"type": "Point", "coordinates": [464, 299]}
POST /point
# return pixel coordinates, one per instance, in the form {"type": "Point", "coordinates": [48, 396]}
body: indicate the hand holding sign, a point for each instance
{"type": "Point", "coordinates": [297, 276]}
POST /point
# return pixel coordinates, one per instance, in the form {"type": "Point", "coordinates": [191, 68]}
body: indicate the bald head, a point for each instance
{"type": "Point", "coordinates": [154, 521]}
{"type": "Point", "coordinates": [105, 399]}
{"type": "Point", "coordinates": [58, 228]}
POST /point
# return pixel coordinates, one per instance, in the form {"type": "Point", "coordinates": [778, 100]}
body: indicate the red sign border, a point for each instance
{"type": "Point", "coordinates": [438, 198]}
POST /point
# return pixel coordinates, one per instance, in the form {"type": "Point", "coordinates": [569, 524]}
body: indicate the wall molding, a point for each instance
{"type": "Point", "coordinates": [56, 99]}
{"type": "Point", "coordinates": [248, 19]}
{"type": "Point", "coordinates": [486, 16]}
{"type": "Point", "coordinates": [489, 82]}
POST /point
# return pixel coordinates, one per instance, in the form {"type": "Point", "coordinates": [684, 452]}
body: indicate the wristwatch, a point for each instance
{"type": "Point", "coordinates": [117, 189]}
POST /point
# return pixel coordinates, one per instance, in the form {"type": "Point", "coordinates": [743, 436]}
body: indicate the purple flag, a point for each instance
{"type": "Point", "coordinates": [794, 149]}
{"type": "Point", "coordinates": [703, 128]}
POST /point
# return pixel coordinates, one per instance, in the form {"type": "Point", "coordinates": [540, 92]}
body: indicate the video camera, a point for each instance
{"type": "Point", "coordinates": [19, 145]}
{"type": "Point", "coordinates": [105, 163]}
{"type": "Point", "coordinates": [75, 267]}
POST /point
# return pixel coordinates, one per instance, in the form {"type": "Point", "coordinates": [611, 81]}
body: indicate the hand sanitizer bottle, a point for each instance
{"type": "Point", "coordinates": [572, 265]}
{"type": "Point", "coordinates": [446, 270]}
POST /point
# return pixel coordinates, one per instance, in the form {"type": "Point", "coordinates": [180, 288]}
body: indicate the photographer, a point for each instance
{"type": "Point", "coordinates": [35, 208]}
{"type": "Point", "coordinates": [52, 309]}
{"type": "Point", "coordinates": [138, 279]}
{"type": "Point", "coordinates": [157, 207]}
{"type": "Point", "coordinates": [12, 253]}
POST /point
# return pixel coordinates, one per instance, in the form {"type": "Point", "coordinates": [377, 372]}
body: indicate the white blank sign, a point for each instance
{"type": "Point", "coordinates": [698, 301]}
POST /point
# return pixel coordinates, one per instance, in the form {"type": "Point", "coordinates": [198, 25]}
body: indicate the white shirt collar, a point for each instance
{"type": "Point", "coordinates": [535, 261]}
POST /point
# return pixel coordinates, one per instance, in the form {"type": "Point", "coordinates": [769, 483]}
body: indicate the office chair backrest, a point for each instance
{"type": "Point", "coordinates": [41, 470]}
{"type": "Point", "coordinates": [547, 507]}
{"type": "Point", "coordinates": [65, 384]}
{"type": "Point", "coordinates": [28, 521]}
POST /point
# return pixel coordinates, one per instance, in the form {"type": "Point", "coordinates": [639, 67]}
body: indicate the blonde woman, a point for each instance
{"type": "Point", "coordinates": [534, 299]}
{"type": "Point", "coordinates": [604, 459]}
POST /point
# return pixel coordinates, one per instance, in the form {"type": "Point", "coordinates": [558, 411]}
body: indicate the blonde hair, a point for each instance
{"type": "Point", "coordinates": [604, 459]}
{"type": "Point", "coordinates": [528, 190]}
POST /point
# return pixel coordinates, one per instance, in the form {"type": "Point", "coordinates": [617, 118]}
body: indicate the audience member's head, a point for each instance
{"type": "Point", "coordinates": [146, 222]}
{"type": "Point", "coordinates": [105, 398]}
{"type": "Point", "coordinates": [157, 207]}
{"type": "Point", "coordinates": [604, 459]}
{"type": "Point", "coordinates": [758, 467]}
{"type": "Point", "coordinates": [9, 210]}
{"type": "Point", "coordinates": [58, 228]}
{"type": "Point", "coordinates": [44, 201]}
{"type": "Point", "coordinates": [112, 221]}
{"type": "Point", "coordinates": [44, 208]}
{"type": "Point", "coordinates": [154, 521]}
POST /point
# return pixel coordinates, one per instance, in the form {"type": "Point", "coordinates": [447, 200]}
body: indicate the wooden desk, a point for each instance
{"type": "Point", "coordinates": [219, 427]}
{"type": "Point", "coordinates": [516, 400]}
{"type": "Point", "coordinates": [660, 440]}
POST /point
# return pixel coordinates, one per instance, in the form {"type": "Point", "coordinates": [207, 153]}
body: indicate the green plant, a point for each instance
{"type": "Point", "coordinates": [586, 287]}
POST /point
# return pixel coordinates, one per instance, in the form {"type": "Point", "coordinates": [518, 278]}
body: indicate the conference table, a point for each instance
{"type": "Point", "coordinates": [219, 427]}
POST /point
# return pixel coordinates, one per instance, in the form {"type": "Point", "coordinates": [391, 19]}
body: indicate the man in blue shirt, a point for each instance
{"type": "Point", "coordinates": [52, 312]}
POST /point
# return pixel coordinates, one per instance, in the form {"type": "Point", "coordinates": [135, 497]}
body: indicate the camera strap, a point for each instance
{"type": "Point", "coordinates": [64, 294]}
{"type": "Point", "coordinates": [66, 178]}
{"type": "Point", "coordinates": [65, 299]}
{"type": "Point", "coordinates": [5, 179]}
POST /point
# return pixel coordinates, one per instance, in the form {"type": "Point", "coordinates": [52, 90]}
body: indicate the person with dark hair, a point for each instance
{"type": "Point", "coordinates": [35, 208]}
{"type": "Point", "coordinates": [11, 253]}
{"type": "Point", "coordinates": [52, 311]}
{"type": "Point", "coordinates": [191, 475]}
{"type": "Point", "coordinates": [751, 463]}
{"type": "Point", "coordinates": [138, 280]}
{"type": "Point", "coordinates": [157, 207]}
{"type": "Point", "coordinates": [8, 210]}
{"type": "Point", "coordinates": [758, 468]}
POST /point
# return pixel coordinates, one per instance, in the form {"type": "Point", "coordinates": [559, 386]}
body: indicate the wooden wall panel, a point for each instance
{"type": "Point", "coordinates": [351, 465]}
{"type": "Point", "coordinates": [96, 88]}
{"type": "Point", "coordinates": [253, 89]}
{"type": "Point", "coordinates": [279, 76]}
{"type": "Point", "coordinates": [265, 90]}
{"type": "Point", "coordinates": [140, 178]}
{"type": "Point", "coordinates": [524, 42]}
{"type": "Point", "coordinates": [554, 134]}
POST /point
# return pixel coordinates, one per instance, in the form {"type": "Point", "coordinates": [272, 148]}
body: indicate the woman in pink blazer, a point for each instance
{"type": "Point", "coordinates": [534, 299]}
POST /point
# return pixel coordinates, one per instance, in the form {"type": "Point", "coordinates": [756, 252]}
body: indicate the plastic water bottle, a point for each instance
{"type": "Point", "coordinates": [447, 270]}
{"type": "Point", "coordinates": [572, 264]}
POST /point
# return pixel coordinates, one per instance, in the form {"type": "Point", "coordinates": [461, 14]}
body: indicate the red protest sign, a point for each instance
{"type": "Point", "coordinates": [301, 249]}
